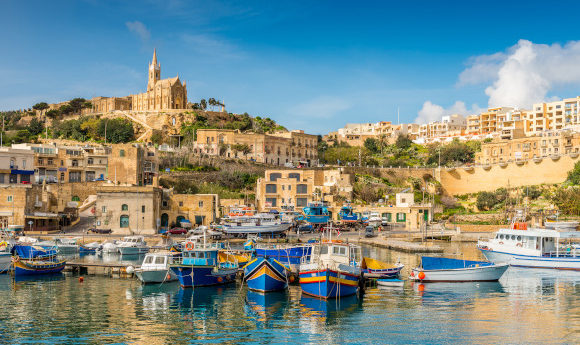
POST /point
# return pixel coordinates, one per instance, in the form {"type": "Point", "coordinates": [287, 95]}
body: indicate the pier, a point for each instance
{"type": "Point", "coordinates": [99, 268]}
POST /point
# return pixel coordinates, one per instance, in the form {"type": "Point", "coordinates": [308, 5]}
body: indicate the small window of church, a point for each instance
{"type": "Point", "coordinates": [122, 153]}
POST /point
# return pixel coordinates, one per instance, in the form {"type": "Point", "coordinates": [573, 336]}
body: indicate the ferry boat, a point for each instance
{"type": "Point", "coordinates": [266, 274]}
{"type": "Point", "coordinates": [258, 224]}
{"type": "Point", "coordinates": [199, 266]}
{"type": "Point", "coordinates": [534, 247]}
{"type": "Point", "coordinates": [316, 213]}
{"type": "Point", "coordinates": [436, 269]}
{"type": "Point", "coordinates": [347, 215]}
{"type": "Point", "coordinates": [133, 245]}
{"type": "Point", "coordinates": [155, 268]}
{"type": "Point", "coordinates": [332, 271]}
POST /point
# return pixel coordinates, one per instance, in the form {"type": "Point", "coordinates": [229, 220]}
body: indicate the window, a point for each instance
{"type": "Point", "coordinates": [9, 199]}
{"type": "Point", "coordinates": [401, 217]}
{"type": "Point", "coordinates": [90, 176]}
{"type": "Point", "coordinates": [142, 208]}
{"type": "Point", "coordinates": [270, 188]}
{"type": "Point", "coordinates": [271, 201]}
{"type": "Point", "coordinates": [12, 164]}
{"type": "Point", "coordinates": [294, 176]}
{"type": "Point", "coordinates": [124, 221]}
{"type": "Point", "coordinates": [301, 189]}
{"type": "Point", "coordinates": [90, 160]}
{"type": "Point", "coordinates": [50, 161]}
{"type": "Point", "coordinates": [124, 207]}
{"type": "Point", "coordinates": [301, 202]}
{"type": "Point", "coordinates": [275, 176]}
{"type": "Point", "coordinates": [181, 204]}
{"type": "Point", "coordinates": [40, 161]}
{"type": "Point", "coordinates": [289, 187]}
{"type": "Point", "coordinates": [13, 178]}
{"type": "Point", "coordinates": [2, 178]}
{"type": "Point", "coordinates": [74, 176]}
{"type": "Point", "coordinates": [200, 204]}
{"type": "Point", "coordinates": [75, 163]}
{"type": "Point", "coordinates": [122, 153]}
{"type": "Point", "coordinates": [104, 209]}
{"type": "Point", "coordinates": [25, 178]}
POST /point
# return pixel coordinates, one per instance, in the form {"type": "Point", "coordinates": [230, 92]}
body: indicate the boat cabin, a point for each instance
{"type": "Point", "coordinates": [536, 242]}
{"type": "Point", "coordinates": [157, 260]}
{"type": "Point", "coordinates": [333, 254]}
{"type": "Point", "coordinates": [134, 239]}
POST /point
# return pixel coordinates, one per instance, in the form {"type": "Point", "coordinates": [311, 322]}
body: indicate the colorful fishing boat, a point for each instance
{"type": "Point", "coordinates": [372, 268]}
{"type": "Point", "coordinates": [200, 266]}
{"type": "Point", "coordinates": [266, 274]}
{"type": "Point", "coordinates": [242, 257]}
{"type": "Point", "coordinates": [316, 213]}
{"type": "Point", "coordinates": [333, 270]}
{"type": "Point", "coordinates": [347, 215]}
{"type": "Point", "coordinates": [286, 254]}
{"type": "Point", "coordinates": [435, 269]}
{"type": "Point", "coordinates": [31, 260]}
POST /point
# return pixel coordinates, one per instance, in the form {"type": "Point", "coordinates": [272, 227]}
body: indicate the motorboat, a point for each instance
{"type": "Point", "coordinates": [90, 248]}
{"type": "Point", "coordinates": [372, 268]}
{"type": "Point", "coordinates": [155, 267]}
{"type": "Point", "coordinates": [133, 245]}
{"type": "Point", "coordinates": [332, 270]}
{"type": "Point", "coordinates": [316, 213]}
{"type": "Point", "coordinates": [199, 266]}
{"type": "Point", "coordinates": [347, 215]}
{"type": "Point", "coordinates": [5, 257]}
{"type": "Point", "coordinates": [266, 274]}
{"type": "Point", "coordinates": [64, 245]}
{"type": "Point", "coordinates": [374, 219]}
{"type": "Point", "coordinates": [110, 247]}
{"type": "Point", "coordinates": [439, 269]}
{"type": "Point", "coordinates": [262, 224]}
{"type": "Point", "coordinates": [390, 282]}
{"type": "Point", "coordinates": [533, 247]}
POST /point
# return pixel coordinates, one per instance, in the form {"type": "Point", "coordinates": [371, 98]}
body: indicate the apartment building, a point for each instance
{"type": "Point", "coordinates": [294, 189]}
{"type": "Point", "coordinates": [16, 166]}
{"type": "Point", "coordinates": [132, 164]}
{"type": "Point", "coordinates": [295, 147]}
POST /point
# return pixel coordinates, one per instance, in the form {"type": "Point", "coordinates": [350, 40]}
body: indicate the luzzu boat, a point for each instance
{"type": "Point", "coordinates": [264, 275]}
{"type": "Point", "coordinates": [372, 268]}
{"type": "Point", "coordinates": [242, 257]}
{"type": "Point", "coordinates": [199, 266]}
{"type": "Point", "coordinates": [286, 254]}
{"type": "Point", "coordinates": [332, 271]}
{"type": "Point", "coordinates": [30, 260]}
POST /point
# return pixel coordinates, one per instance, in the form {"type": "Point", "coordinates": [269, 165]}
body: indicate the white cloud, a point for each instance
{"type": "Point", "coordinates": [323, 107]}
{"type": "Point", "coordinates": [433, 112]}
{"type": "Point", "coordinates": [139, 29]}
{"type": "Point", "coordinates": [525, 73]}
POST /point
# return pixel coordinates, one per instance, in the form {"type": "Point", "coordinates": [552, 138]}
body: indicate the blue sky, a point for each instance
{"type": "Point", "coordinates": [313, 65]}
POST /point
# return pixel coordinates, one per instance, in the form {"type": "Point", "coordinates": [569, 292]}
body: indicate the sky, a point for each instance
{"type": "Point", "coordinates": [312, 65]}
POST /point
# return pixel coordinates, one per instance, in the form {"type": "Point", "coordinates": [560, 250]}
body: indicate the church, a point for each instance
{"type": "Point", "coordinates": [161, 93]}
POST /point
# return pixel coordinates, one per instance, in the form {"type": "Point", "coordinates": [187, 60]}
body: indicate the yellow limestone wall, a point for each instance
{"type": "Point", "coordinates": [548, 171]}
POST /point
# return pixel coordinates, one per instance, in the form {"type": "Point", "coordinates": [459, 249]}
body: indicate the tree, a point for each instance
{"type": "Point", "coordinates": [77, 104]}
{"type": "Point", "coordinates": [40, 106]}
{"type": "Point", "coordinates": [372, 145]}
{"type": "Point", "coordinates": [403, 142]}
{"type": "Point", "coordinates": [52, 113]}
{"type": "Point", "coordinates": [118, 130]}
{"type": "Point", "coordinates": [36, 126]}
{"type": "Point", "coordinates": [486, 201]}
{"type": "Point", "coordinates": [203, 104]}
{"type": "Point", "coordinates": [574, 175]}
{"type": "Point", "coordinates": [65, 109]}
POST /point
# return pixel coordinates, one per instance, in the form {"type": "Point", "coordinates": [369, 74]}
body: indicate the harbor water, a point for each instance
{"type": "Point", "coordinates": [526, 306]}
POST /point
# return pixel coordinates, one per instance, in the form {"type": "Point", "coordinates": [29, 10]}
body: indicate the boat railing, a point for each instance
{"type": "Point", "coordinates": [573, 253]}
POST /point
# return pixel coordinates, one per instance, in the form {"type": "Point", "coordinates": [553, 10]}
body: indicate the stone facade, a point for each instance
{"type": "Point", "coordinates": [199, 209]}
{"type": "Point", "coordinates": [133, 164]}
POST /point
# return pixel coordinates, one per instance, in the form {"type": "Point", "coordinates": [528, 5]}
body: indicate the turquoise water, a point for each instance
{"type": "Point", "coordinates": [526, 306]}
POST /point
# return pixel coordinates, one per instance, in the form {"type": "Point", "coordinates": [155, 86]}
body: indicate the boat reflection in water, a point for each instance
{"type": "Point", "coordinates": [263, 307]}
{"type": "Point", "coordinates": [20, 281]}
{"type": "Point", "coordinates": [329, 311]}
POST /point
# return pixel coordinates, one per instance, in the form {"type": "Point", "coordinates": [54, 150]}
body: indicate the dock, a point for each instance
{"type": "Point", "coordinates": [402, 246]}
{"type": "Point", "coordinates": [99, 268]}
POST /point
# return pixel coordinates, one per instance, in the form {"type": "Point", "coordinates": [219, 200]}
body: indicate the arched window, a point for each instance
{"type": "Point", "coordinates": [124, 223]}
{"type": "Point", "coordinates": [124, 207]}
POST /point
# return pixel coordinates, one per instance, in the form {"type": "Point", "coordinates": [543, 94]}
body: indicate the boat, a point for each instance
{"type": "Point", "coordinates": [90, 248]}
{"type": "Point", "coordinates": [390, 282]}
{"type": "Point", "coordinates": [290, 255]}
{"type": "Point", "coordinates": [532, 247]}
{"type": "Point", "coordinates": [64, 245]}
{"type": "Point", "coordinates": [316, 213]}
{"type": "Point", "coordinates": [332, 271]}
{"type": "Point", "coordinates": [436, 269]}
{"type": "Point", "coordinates": [155, 267]}
{"type": "Point", "coordinates": [110, 247]}
{"type": "Point", "coordinates": [266, 274]}
{"type": "Point", "coordinates": [553, 223]}
{"type": "Point", "coordinates": [5, 257]}
{"type": "Point", "coordinates": [374, 219]}
{"type": "Point", "coordinates": [372, 268]}
{"type": "Point", "coordinates": [34, 260]}
{"type": "Point", "coordinates": [242, 257]}
{"type": "Point", "coordinates": [133, 245]}
{"type": "Point", "coordinates": [347, 215]}
{"type": "Point", "coordinates": [258, 224]}
{"type": "Point", "coordinates": [199, 266]}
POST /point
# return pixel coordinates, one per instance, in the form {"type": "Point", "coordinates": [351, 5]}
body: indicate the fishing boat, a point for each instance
{"type": "Point", "coordinates": [316, 213]}
{"type": "Point", "coordinates": [372, 268]}
{"type": "Point", "coordinates": [435, 269]}
{"type": "Point", "coordinates": [347, 215]}
{"type": "Point", "coordinates": [64, 245]}
{"type": "Point", "coordinates": [155, 267]}
{"type": "Point", "coordinates": [288, 254]}
{"type": "Point", "coordinates": [5, 257]}
{"type": "Point", "coordinates": [242, 257]}
{"type": "Point", "coordinates": [332, 271]}
{"type": "Point", "coordinates": [199, 266]}
{"type": "Point", "coordinates": [133, 245]}
{"type": "Point", "coordinates": [533, 247]}
{"type": "Point", "coordinates": [110, 247]}
{"type": "Point", "coordinates": [266, 274]}
{"type": "Point", "coordinates": [390, 282]}
{"type": "Point", "coordinates": [29, 260]}
{"type": "Point", "coordinates": [261, 224]}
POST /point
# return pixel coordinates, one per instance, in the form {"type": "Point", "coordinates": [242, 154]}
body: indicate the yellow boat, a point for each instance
{"type": "Point", "coordinates": [377, 269]}
{"type": "Point", "coordinates": [241, 257]}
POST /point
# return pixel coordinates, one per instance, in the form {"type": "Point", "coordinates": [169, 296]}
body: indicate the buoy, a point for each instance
{"type": "Point", "coordinates": [421, 275]}
{"type": "Point", "coordinates": [291, 279]}
{"type": "Point", "coordinates": [412, 274]}
{"type": "Point", "coordinates": [220, 279]}
{"type": "Point", "coordinates": [130, 269]}
{"type": "Point", "coordinates": [81, 279]}
{"type": "Point", "coordinates": [168, 277]}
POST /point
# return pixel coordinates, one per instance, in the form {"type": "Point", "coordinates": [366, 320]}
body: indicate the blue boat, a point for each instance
{"type": "Point", "coordinates": [316, 213]}
{"type": "Point", "coordinates": [333, 270]}
{"type": "Point", "coordinates": [266, 274]}
{"type": "Point", "coordinates": [286, 254]}
{"type": "Point", "coordinates": [200, 266]}
{"type": "Point", "coordinates": [347, 215]}
{"type": "Point", "coordinates": [31, 260]}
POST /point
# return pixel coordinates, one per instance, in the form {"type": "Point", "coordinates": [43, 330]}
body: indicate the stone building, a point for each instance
{"type": "Point", "coordinates": [16, 166]}
{"type": "Point", "coordinates": [133, 164]}
{"type": "Point", "coordinates": [295, 147]}
{"type": "Point", "coordinates": [107, 104]}
{"type": "Point", "coordinates": [199, 209]}
{"type": "Point", "coordinates": [294, 189]}
{"type": "Point", "coordinates": [161, 93]}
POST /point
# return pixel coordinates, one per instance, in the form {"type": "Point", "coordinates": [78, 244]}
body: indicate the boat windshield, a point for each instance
{"type": "Point", "coordinates": [148, 260]}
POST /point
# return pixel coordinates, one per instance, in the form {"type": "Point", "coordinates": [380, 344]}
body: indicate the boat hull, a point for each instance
{"type": "Point", "coordinates": [27, 268]}
{"type": "Point", "coordinates": [258, 229]}
{"type": "Point", "coordinates": [192, 276]}
{"type": "Point", "coordinates": [155, 276]}
{"type": "Point", "coordinates": [390, 282]}
{"type": "Point", "coordinates": [328, 283]}
{"type": "Point", "coordinates": [133, 250]}
{"type": "Point", "coordinates": [5, 262]}
{"type": "Point", "coordinates": [471, 274]}
{"type": "Point", "coordinates": [383, 273]}
{"type": "Point", "coordinates": [265, 275]}
{"type": "Point", "coordinates": [561, 263]}
{"type": "Point", "coordinates": [288, 255]}
{"type": "Point", "coordinates": [317, 219]}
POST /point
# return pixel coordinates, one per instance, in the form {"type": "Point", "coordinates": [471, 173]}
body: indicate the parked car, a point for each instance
{"type": "Point", "coordinates": [305, 228]}
{"type": "Point", "coordinates": [370, 231]}
{"type": "Point", "coordinates": [177, 231]}
{"type": "Point", "coordinates": [100, 231]}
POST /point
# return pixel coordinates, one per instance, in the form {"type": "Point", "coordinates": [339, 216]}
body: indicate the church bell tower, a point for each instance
{"type": "Point", "coordinates": [154, 72]}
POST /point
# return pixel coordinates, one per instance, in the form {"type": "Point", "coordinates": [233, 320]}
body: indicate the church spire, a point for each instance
{"type": "Point", "coordinates": [154, 71]}
{"type": "Point", "coordinates": [154, 61]}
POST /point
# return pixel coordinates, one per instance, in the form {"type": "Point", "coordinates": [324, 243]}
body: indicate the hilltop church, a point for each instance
{"type": "Point", "coordinates": [161, 94]}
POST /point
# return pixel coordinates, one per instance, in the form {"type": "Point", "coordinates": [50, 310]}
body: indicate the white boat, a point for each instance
{"type": "Point", "coordinates": [262, 223]}
{"type": "Point", "coordinates": [534, 247]}
{"type": "Point", "coordinates": [155, 268]}
{"type": "Point", "coordinates": [561, 225]}
{"type": "Point", "coordinates": [390, 282]}
{"type": "Point", "coordinates": [374, 218]}
{"type": "Point", "coordinates": [64, 245]}
{"type": "Point", "coordinates": [436, 269]}
{"type": "Point", "coordinates": [5, 257]}
{"type": "Point", "coordinates": [133, 245]}
{"type": "Point", "coordinates": [110, 247]}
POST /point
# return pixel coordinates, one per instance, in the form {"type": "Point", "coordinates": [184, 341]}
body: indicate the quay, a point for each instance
{"type": "Point", "coordinates": [100, 268]}
{"type": "Point", "coordinates": [402, 246]}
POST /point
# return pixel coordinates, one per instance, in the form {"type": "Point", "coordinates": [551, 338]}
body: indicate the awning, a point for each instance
{"type": "Point", "coordinates": [21, 172]}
